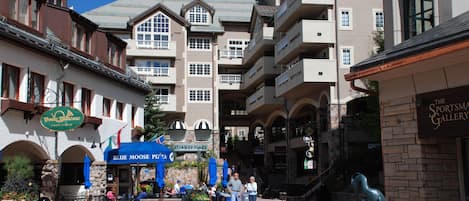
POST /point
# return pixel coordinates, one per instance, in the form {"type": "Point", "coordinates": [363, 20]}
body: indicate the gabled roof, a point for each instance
{"type": "Point", "coordinates": [155, 8]}
{"type": "Point", "coordinates": [193, 3]}
{"type": "Point", "coordinates": [264, 11]}
{"type": "Point", "coordinates": [450, 32]}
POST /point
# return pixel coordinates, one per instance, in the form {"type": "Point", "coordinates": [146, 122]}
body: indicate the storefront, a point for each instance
{"type": "Point", "coordinates": [424, 104]}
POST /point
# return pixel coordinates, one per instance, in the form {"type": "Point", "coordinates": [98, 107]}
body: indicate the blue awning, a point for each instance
{"type": "Point", "coordinates": [139, 153]}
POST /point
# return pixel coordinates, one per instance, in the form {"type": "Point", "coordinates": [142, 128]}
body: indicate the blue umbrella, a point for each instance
{"type": "Point", "coordinates": [212, 171]}
{"type": "Point", "coordinates": [160, 174]}
{"type": "Point", "coordinates": [86, 171]}
{"type": "Point", "coordinates": [225, 174]}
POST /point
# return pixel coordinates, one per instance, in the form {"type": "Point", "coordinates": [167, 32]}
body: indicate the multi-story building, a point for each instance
{"type": "Point", "coordinates": [423, 99]}
{"type": "Point", "coordinates": [51, 56]}
{"type": "Point", "coordinates": [275, 67]}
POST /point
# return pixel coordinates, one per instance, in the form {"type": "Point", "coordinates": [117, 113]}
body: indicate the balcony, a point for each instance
{"type": "Point", "coordinates": [167, 102]}
{"type": "Point", "coordinates": [230, 81]}
{"type": "Point", "coordinates": [312, 71]}
{"type": "Point", "coordinates": [291, 10]}
{"type": "Point", "coordinates": [230, 57]}
{"type": "Point", "coordinates": [263, 100]}
{"type": "Point", "coordinates": [258, 44]}
{"type": "Point", "coordinates": [264, 67]}
{"type": "Point", "coordinates": [305, 36]}
{"type": "Point", "coordinates": [150, 48]}
{"type": "Point", "coordinates": [156, 75]}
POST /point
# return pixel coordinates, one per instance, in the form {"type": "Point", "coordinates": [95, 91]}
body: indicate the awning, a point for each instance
{"type": "Point", "coordinates": [177, 125]}
{"type": "Point", "coordinates": [139, 153]}
{"type": "Point", "coordinates": [202, 125]}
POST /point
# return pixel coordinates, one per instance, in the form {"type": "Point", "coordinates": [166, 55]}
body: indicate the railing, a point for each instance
{"type": "Point", "coordinates": [282, 78]}
{"type": "Point", "coordinates": [162, 99]}
{"type": "Point", "coordinates": [153, 44]}
{"type": "Point", "coordinates": [252, 99]}
{"type": "Point", "coordinates": [282, 44]}
{"type": "Point", "coordinates": [231, 54]}
{"type": "Point", "coordinates": [151, 71]}
{"type": "Point", "coordinates": [282, 9]}
{"type": "Point", "coordinates": [231, 78]}
{"type": "Point", "coordinates": [252, 72]}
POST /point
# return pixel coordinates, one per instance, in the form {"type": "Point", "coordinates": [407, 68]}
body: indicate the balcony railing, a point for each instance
{"type": "Point", "coordinates": [151, 71]}
{"type": "Point", "coordinates": [231, 54]}
{"type": "Point", "coordinates": [231, 78]}
{"type": "Point", "coordinates": [162, 99]}
{"type": "Point", "coordinates": [152, 44]}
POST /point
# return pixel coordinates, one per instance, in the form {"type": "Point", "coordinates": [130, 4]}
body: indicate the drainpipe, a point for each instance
{"type": "Point", "coordinates": [359, 89]}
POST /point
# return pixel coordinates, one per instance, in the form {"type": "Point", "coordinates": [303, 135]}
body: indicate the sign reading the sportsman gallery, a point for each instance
{"type": "Point", "coordinates": [443, 113]}
{"type": "Point", "coordinates": [190, 147]}
{"type": "Point", "coordinates": [62, 119]}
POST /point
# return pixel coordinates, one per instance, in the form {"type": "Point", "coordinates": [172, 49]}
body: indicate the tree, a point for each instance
{"type": "Point", "coordinates": [19, 184]}
{"type": "Point", "coordinates": [155, 126]}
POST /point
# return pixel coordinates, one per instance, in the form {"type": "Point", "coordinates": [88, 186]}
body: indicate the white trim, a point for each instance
{"type": "Point", "coordinates": [209, 16]}
{"type": "Point", "coordinates": [199, 89]}
{"type": "Point", "coordinates": [162, 87]}
{"type": "Point", "coordinates": [341, 58]}
{"type": "Point", "coordinates": [374, 12]}
{"type": "Point", "coordinates": [152, 32]}
{"type": "Point", "coordinates": [196, 123]}
{"type": "Point", "coordinates": [196, 49]}
{"type": "Point", "coordinates": [195, 75]}
{"type": "Point", "coordinates": [350, 14]}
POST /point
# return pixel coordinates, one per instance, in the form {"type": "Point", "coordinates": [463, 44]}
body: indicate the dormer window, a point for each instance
{"type": "Point", "coordinates": [154, 32]}
{"type": "Point", "coordinates": [81, 38]}
{"type": "Point", "coordinates": [25, 11]}
{"type": "Point", "coordinates": [114, 54]}
{"type": "Point", "coordinates": [198, 15]}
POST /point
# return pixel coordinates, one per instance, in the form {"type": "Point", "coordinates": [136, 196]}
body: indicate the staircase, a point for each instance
{"type": "Point", "coordinates": [311, 191]}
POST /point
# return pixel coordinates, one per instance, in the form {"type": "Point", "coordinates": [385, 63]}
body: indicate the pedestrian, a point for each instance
{"type": "Point", "coordinates": [110, 195]}
{"type": "Point", "coordinates": [177, 187]}
{"type": "Point", "coordinates": [251, 187]}
{"type": "Point", "coordinates": [142, 195]}
{"type": "Point", "coordinates": [235, 187]}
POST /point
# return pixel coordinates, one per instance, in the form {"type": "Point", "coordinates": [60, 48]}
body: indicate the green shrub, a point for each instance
{"type": "Point", "coordinates": [19, 184]}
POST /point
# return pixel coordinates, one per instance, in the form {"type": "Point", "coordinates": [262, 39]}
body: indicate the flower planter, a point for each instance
{"type": "Point", "coordinates": [177, 135]}
{"type": "Point", "coordinates": [203, 135]}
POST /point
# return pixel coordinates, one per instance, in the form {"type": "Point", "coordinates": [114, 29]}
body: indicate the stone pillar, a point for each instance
{"type": "Point", "coordinates": [49, 179]}
{"type": "Point", "coordinates": [98, 178]}
{"type": "Point", "coordinates": [415, 168]}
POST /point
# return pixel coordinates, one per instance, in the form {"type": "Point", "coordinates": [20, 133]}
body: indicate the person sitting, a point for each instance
{"type": "Point", "coordinates": [110, 195]}
{"type": "Point", "coordinates": [142, 195]}
{"type": "Point", "coordinates": [171, 192]}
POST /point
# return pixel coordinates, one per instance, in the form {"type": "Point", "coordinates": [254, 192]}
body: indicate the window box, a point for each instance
{"type": "Point", "coordinates": [95, 121]}
{"type": "Point", "coordinates": [10, 104]}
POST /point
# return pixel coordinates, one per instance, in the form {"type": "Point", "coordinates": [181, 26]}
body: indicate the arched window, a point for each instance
{"type": "Point", "coordinates": [198, 15]}
{"type": "Point", "coordinates": [154, 33]}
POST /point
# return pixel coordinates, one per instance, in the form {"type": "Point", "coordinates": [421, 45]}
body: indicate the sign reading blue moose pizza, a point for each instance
{"type": "Point", "coordinates": [62, 119]}
{"type": "Point", "coordinates": [139, 153]}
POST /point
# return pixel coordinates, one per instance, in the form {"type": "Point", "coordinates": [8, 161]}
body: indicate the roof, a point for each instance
{"type": "Point", "coordinates": [197, 2]}
{"type": "Point", "coordinates": [54, 48]}
{"type": "Point", "coordinates": [115, 15]}
{"type": "Point", "coordinates": [157, 7]}
{"type": "Point", "coordinates": [449, 32]}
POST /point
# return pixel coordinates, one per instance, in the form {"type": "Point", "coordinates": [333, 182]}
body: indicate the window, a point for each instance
{"type": "Point", "coordinates": [72, 174]}
{"type": "Point", "coordinates": [162, 95]}
{"type": "Point", "coordinates": [55, 2]}
{"type": "Point", "coordinates": [134, 112]}
{"type": "Point", "coordinates": [200, 69]}
{"type": "Point", "coordinates": [36, 88]}
{"type": "Point", "coordinates": [86, 101]}
{"type": "Point", "coordinates": [346, 18]}
{"type": "Point", "coordinates": [199, 43]}
{"type": "Point", "coordinates": [200, 95]}
{"type": "Point", "coordinates": [419, 17]}
{"type": "Point", "coordinates": [347, 56]}
{"type": "Point", "coordinates": [378, 19]}
{"type": "Point", "coordinates": [198, 15]}
{"type": "Point", "coordinates": [154, 32]}
{"type": "Point", "coordinates": [25, 11]}
{"type": "Point", "coordinates": [81, 38]}
{"type": "Point", "coordinates": [158, 68]}
{"type": "Point", "coordinates": [106, 107]}
{"type": "Point", "coordinates": [67, 94]}
{"type": "Point", "coordinates": [235, 48]}
{"type": "Point", "coordinates": [119, 110]}
{"type": "Point", "coordinates": [10, 82]}
{"type": "Point", "coordinates": [115, 54]}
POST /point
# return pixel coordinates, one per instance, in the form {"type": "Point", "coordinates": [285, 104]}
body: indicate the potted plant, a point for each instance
{"type": "Point", "coordinates": [199, 196]}
{"type": "Point", "coordinates": [203, 134]}
{"type": "Point", "coordinates": [177, 134]}
{"type": "Point", "coordinates": [19, 184]}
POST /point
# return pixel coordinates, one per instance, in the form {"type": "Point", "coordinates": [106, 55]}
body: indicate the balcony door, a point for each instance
{"type": "Point", "coordinates": [159, 68]}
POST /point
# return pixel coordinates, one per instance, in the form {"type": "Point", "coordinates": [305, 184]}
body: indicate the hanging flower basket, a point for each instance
{"type": "Point", "coordinates": [203, 135]}
{"type": "Point", "coordinates": [177, 134]}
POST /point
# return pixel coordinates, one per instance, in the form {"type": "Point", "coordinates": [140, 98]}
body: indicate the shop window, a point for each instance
{"type": "Point", "coordinates": [86, 101]}
{"type": "Point", "coordinates": [10, 82]}
{"type": "Point", "coordinates": [119, 110]}
{"type": "Point", "coordinates": [67, 94]}
{"type": "Point", "coordinates": [419, 17]}
{"type": "Point", "coordinates": [72, 174]}
{"type": "Point", "coordinates": [36, 88]}
{"type": "Point", "coordinates": [25, 11]}
{"type": "Point", "coordinates": [106, 107]}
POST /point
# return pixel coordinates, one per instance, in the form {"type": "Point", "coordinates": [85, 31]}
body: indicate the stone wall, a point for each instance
{"type": "Point", "coordinates": [49, 177]}
{"type": "Point", "coordinates": [98, 179]}
{"type": "Point", "coordinates": [415, 169]}
{"type": "Point", "coordinates": [184, 175]}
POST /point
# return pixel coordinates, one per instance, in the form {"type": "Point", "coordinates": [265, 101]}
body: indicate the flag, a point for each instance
{"type": "Point", "coordinates": [160, 140]}
{"type": "Point", "coordinates": [119, 136]}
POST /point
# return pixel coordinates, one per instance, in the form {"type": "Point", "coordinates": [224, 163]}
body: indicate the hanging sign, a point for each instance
{"type": "Point", "coordinates": [62, 119]}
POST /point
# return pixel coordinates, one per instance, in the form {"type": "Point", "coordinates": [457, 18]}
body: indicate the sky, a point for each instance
{"type": "Point", "coordinates": [82, 6]}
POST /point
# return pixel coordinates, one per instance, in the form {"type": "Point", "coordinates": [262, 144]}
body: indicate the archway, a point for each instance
{"type": "Point", "coordinates": [71, 167]}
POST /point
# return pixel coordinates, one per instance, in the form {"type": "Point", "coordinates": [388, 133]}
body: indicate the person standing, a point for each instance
{"type": "Point", "coordinates": [235, 187]}
{"type": "Point", "coordinates": [251, 187]}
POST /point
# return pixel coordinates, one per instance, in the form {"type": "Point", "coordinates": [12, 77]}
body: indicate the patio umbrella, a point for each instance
{"type": "Point", "coordinates": [86, 171]}
{"type": "Point", "coordinates": [160, 174]}
{"type": "Point", "coordinates": [212, 171]}
{"type": "Point", "coordinates": [225, 174]}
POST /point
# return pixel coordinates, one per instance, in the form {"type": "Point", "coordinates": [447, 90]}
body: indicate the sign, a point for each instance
{"type": "Point", "coordinates": [190, 147]}
{"type": "Point", "coordinates": [140, 158]}
{"type": "Point", "coordinates": [62, 119]}
{"type": "Point", "coordinates": [443, 113]}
